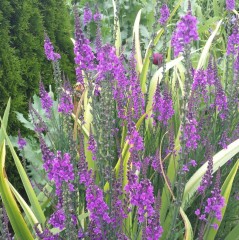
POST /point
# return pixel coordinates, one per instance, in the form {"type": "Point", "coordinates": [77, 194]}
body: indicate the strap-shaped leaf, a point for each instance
{"type": "Point", "coordinates": [26, 182]}
{"type": "Point", "coordinates": [207, 46]}
{"type": "Point", "coordinates": [136, 38]}
{"type": "Point", "coordinates": [29, 214]}
{"type": "Point", "coordinates": [188, 227]}
{"type": "Point", "coordinates": [234, 234]}
{"type": "Point", "coordinates": [16, 219]}
{"type": "Point", "coordinates": [219, 160]}
{"type": "Point", "coordinates": [5, 120]}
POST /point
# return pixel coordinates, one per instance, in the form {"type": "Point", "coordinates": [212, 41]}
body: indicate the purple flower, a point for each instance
{"type": "Point", "coordinates": [92, 145]}
{"type": "Point", "coordinates": [207, 178]}
{"type": "Point", "coordinates": [97, 16]}
{"type": "Point", "coordinates": [21, 142]}
{"type": "Point", "coordinates": [233, 41]}
{"type": "Point", "coordinates": [200, 82]}
{"type": "Point", "coordinates": [221, 101]}
{"type": "Point", "coordinates": [141, 195]}
{"type": "Point", "coordinates": [98, 209]}
{"type": "Point", "coordinates": [185, 33]}
{"type": "Point", "coordinates": [62, 171]}
{"type": "Point", "coordinates": [46, 100]}
{"type": "Point", "coordinates": [193, 163]}
{"type": "Point", "coordinates": [49, 50]}
{"type": "Point", "coordinates": [84, 57]}
{"type": "Point", "coordinates": [185, 168]}
{"type": "Point", "coordinates": [197, 212]}
{"type": "Point", "coordinates": [57, 219]}
{"type": "Point", "coordinates": [39, 125]}
{"type": "Point", "coordinates": [190, 135]}
{"type": "Point", "coordinates": [215, 226]}
{"type": "Point", "coordinates": [87, 14]}
{"type": "Point", "coordinates": [214, 204]}
{"type": "Point", "coordinates": [164, 12]}
{"type": "Point", "coordinates": [47, 155]}
{"type": "Point", "coordinates": [136, 141]}
{"type": "Point", "coordinates": [162, 106]}
{"type": "Point", "coordinates": [230, 5]}
{"type": "Point", "coordinates": [66, 105]}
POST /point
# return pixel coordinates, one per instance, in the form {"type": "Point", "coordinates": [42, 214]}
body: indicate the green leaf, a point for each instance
{"type": "Point", "coordinates": [24, 121]}
{"type": "Point", "coordinates": [42, 198]}
{"type": "Point", "coordinates": [5, 120]}
{"type": "Point", "coordinates": [207, 46]}
{"type": "Point", "coordinates": [234, 234]}
{"type": "Point", "coordinates": [219, 160]}
{"type": "Point", "coordinates": [26, 183]}
{"type": "Point", "coordinates": [188, 227]}
{"type": "Point", "coordinates": [16, 219]}
{"type": "Point", "coordinates": [225, 192]}
{"type": "Point", "coordinates": [171, 174]}
{"type": "Point", "coordinates": [136, 37]}
{"type": "Point", "coordinates": [30, 215]}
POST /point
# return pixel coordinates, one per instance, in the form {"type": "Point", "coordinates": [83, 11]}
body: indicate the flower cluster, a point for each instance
{"type": "Point", "coordinates": [207, 178]}
{"type": "Point", "coordinates": [164, 12]}
{"type": "Point", "coordinates": [97, 207]}
{"type": "Point", "coordinates": [136, 141]}
{"type": "Point", "coordinates": [191, 136]}
{"type": "Point", "coordinates": [153, 229]}
{"type": "Point", "coordinates": [214, 204]}
{"type": "Point", "coordinates": [21, 142]}
{"type": "Point", "coordinates": [46, 100]}
{"type": "Point", "coordinates": [66, 105]}
{"type": "Point", "coordinates": [141, 195]}
{"type": "Point", "coordinates": [230, 5]}
{"type": "Point", "coordinates": [185, 33]}
{"type": "Point", "coordinates": [162, 106]}
{"type": "Point", "coordinates": [87, 15]}
{"type": "Point", "coordinates": [62, 171]}
{"type": "Point", "coordinates": [233, 41]}
{"type": "Point", "coordinates": [57, 219]}
{"type": "Point", "coordinates": [49, 50]}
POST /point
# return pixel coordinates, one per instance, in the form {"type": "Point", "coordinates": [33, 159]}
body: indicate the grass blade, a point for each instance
{"type": "Point", "coordinates": [136, 38]}
{"type": "Point", "coordinates": [17, 222]}
{"type": "Point", "coordinates": [26, 182]}
{"type": "Point", "coordinates": [219, 160]}
{"type": "Point", "coordinates": [206, 48]}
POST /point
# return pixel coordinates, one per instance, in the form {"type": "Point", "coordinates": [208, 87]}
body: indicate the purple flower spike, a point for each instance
{"type": "Point", "coordinates": [164, 11]}
{"type": "Point", "coordinates": [98, 209]}
{"type": "Point", "coordinates": [185, 33]}
{"type": "Point", "coordinates": [49, 50]}
{"type": "Point", "coordinates": [233, 41]}
{"type": "Point", "coordinates": [97, 16]}
{"type": "Point", "coordinates": [191, 135]}
{"type": "Point", "coordinates": [66, 105]}
{"type": "Point", "coordinates": [21, 141]}
{"type": "Point", "coordinates": [87, 14]}
{"type": "Point", "coordinates": [57, 219]}
{"type": "Point", "coordinates": [46, 100]}
{"type": "Point", "coordinates": [230, 5]}
{"type": "Point", "coordinates": [62, 171]}
{"type": "Point", "coordinates": [162, 106]}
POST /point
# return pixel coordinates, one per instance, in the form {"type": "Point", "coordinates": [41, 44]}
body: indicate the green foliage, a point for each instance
{"type": "Point", "coordinates": [22, 59]}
